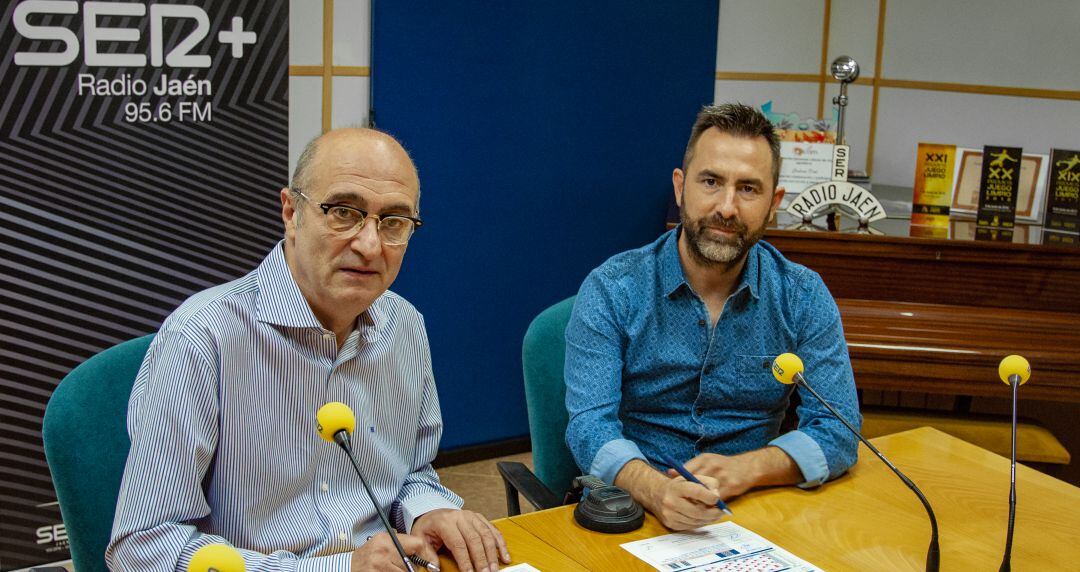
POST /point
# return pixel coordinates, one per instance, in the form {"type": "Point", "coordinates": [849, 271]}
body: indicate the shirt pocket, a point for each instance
{"type": "Point", "coordinates": [759, 388]}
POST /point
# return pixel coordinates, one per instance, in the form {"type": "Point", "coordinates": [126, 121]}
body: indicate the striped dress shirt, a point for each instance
{"type": "Point", "coordinates": [224, 445]}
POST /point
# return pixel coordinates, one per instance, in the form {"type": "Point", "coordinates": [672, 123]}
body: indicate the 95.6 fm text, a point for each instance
{"type": "Point", "coordinates": [166, 112]}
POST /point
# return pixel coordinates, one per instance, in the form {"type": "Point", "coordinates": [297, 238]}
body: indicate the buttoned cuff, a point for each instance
{"type": "Point", "coordinates": [334, 563]}
{"type": "Point", "coordinates": [416, 506]}
{"type": "Point", "coordinates": [807, 454]}
{"type": "Point", "coordinates": [609, 460]}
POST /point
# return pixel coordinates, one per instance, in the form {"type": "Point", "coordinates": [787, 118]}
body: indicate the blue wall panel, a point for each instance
{"type": "Point", "coordinates": [545, 134]}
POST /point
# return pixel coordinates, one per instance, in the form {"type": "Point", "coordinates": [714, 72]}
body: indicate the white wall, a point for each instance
{"type": "Point", "coordinates": [1003, 43]}
{"type": "Point", "coordinates": [350, 94]}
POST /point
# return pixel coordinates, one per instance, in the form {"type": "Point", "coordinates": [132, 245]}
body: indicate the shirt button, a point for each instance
{"type": "Point", "coordinates": [701, 322]}
{"type": "Point", "coordinates": [327, 335]}
{"type": "Point", "coordinates": [342, 537]}
{"type": "Point", "coordinates": [699, 411]}
{"type": "Point", "coordinates": [325, 486]}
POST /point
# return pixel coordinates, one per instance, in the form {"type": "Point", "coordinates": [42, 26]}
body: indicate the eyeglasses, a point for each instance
{"type": "Point", "coordinates": [394, 230]}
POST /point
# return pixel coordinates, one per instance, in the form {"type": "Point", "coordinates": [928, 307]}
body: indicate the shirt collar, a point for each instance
{"type": "Point", "coordinates": [281, 303]}
{"type": "Point", "coordinates": [371, 321]}
{"type": "Point", "coordinates": [751, 276]}
{"type": "Point", "coordinates": [672, 276]}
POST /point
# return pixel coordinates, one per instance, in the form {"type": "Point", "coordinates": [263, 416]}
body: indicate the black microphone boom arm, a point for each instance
{"type": "Point", "coordinates": [933, 553]}
{"type": "Point", "coordinates": [342, 439]}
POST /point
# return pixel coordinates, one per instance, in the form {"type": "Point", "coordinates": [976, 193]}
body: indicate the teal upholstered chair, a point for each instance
{"type": "Point", "coordinates": [542, 356]}
{"type": "Point", "coordinates": [86, 444]}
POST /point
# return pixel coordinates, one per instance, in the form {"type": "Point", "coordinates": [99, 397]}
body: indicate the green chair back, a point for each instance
{"type": "Point", "coordinates": [86, 444]}
{"type": "Point", "coordinates": [543, 355]}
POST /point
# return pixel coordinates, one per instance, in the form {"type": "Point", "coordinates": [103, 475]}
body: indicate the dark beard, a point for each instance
{"type": "Point", "coordinates": [708, 252]}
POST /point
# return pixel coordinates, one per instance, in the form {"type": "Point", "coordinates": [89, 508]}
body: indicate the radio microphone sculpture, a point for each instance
{"type": "Point", "coordinates": [839, 194]}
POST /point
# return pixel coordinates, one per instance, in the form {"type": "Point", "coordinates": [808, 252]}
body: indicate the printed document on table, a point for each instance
{"type": "Point", "coordinates": [723, 547]}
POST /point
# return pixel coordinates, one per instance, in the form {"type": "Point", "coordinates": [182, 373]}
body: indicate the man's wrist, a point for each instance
{"type": "Point", "coordinates": [420, 518]}
{"type": "Point", "coordinates": [771, 466]}
{"type": "Point", "coordinates": [416, 506]}
{"type": "Point", "coordinates": [612, 457]}
{"type": "Point", "coordinates": [641, 480]}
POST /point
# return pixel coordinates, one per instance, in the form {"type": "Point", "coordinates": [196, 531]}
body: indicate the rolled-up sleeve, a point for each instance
{"type": "Point", "coordinates": [822, 446]}
{"type": "Point", "coordinates": [593, 372]}
{"type": "Point", "coordinates": [807, 455]}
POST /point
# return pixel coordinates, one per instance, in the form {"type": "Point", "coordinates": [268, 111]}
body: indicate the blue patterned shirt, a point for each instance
{"type": "Point", "coordinates": [645, 372]}
{"type": "Point", "coordinates": [223, 436]}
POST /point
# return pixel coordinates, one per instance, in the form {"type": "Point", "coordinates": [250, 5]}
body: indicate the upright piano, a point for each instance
{"type": "Point", "coordinates": [935, 310]}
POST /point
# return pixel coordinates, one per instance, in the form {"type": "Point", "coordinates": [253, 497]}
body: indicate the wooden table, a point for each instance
{"type": "Point", "coordinates": [524, 547]}
{"type": "Point", "coordinates": [867, 519]}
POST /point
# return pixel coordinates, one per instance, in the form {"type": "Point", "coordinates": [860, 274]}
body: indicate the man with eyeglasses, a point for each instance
{"type": "Point", "coordinates": [224, 446]}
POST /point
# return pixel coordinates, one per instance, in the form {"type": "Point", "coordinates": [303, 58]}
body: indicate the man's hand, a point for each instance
{"type": "Point", "coordinates": [733, 475]}
{"type": "Point", "coordinates": [679, 504]}
{"type": "Point", "coordinates": [739, 473]}
{"type": "Point", "coordinates": [473, 541]}
{"type": "Point", "coordinates": [682, 505]}
{"type": "Point", "coordinates": [379, 553]}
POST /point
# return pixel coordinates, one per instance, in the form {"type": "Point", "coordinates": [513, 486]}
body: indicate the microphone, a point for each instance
{"type": "Point", "coordinates": [335, 422]}
{"type": "Point", "coordinates": [787, 369]}
{"type": "Point", "coordinates": [1014, 370]}
{"type": "Point", "coordinates": [216, 558]}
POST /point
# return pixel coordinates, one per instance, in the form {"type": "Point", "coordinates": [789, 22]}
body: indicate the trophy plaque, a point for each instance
{"type": "Point", "coordinates": [998, 186]}
{"type": "Point", "coordinates": [1063, 194]}
{"type": "Point", "coordinates": [932, 193]}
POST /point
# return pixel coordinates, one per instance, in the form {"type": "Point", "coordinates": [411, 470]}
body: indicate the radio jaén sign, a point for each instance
{"type": "Point", "coordinates": [94, 47]}
{"type": "Point", "coordinates": [838, 192]}
{"type": "Point", "coordinates": [143, 146]}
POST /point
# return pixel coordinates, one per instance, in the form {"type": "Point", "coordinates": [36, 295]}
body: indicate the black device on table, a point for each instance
{"type": "Point", "coordinates": [606, 508]}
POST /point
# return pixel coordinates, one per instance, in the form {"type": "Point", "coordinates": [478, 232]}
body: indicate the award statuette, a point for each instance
{"type": "Point", "coordinates": [933, 184]}
{"type": "Point", "coordinates": [1063, 191]}
{"type": "Point", "coordinates": [838, 194]}
{"type": "Point", "coordinates": [998, 186]}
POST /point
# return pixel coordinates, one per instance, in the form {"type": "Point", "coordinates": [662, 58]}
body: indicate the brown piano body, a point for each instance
{"type": "Point", "coordinates": [937, 315]}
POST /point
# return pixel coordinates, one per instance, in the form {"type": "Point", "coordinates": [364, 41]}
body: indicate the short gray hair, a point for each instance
{"type": "Point", "coordinates": [301, 177]}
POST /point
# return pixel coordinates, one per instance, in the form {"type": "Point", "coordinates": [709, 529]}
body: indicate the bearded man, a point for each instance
{"type": "Point", "coordinates": [669, 346]}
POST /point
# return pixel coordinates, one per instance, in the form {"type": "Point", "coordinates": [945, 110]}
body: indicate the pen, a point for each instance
{"type": "Point", "coordinates": [686, 475]}
{"type": "Point", "coordinates": [421, 562]}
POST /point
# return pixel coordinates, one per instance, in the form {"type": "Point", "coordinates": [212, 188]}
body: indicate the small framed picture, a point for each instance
{"type": "Point", "coordinates": [1030, 200]}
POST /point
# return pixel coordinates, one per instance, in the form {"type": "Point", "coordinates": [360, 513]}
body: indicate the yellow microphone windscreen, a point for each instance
{"type": "Point", "coordinates": [216, 558]}
{"type": "Point", "coordinates": [1014, 365]}
{"type": "Point", "coordinates": [785, 366]}
{"type": "Point", "coordinates": [333, 417]}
